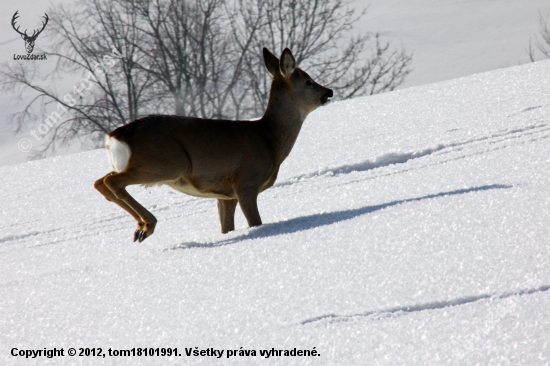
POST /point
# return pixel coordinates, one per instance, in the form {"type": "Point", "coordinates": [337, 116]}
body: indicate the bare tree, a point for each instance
{"type": "Point", "coordinates": [542, 41]}
{"type": "Point", "coordinates": [191, 55]}
{"type": "Point", "coordinates": [87, 43]}
{"type": "Point", "coordinates": [194, 57]}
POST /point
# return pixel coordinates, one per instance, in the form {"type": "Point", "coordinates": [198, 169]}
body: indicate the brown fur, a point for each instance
{"type": "Point", "coordinates": [232, 161]}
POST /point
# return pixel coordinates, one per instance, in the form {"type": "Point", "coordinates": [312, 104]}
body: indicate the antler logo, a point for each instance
{"type": "Point", "coordinates": [29, 40]}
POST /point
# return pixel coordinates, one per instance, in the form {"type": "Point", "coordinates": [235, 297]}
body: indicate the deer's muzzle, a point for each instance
{"type": "Point", "coordinates": [326, 97]}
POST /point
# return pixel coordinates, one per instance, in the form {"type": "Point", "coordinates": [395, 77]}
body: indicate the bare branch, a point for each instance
{"type": "Point", "coordinates": [542, 40]}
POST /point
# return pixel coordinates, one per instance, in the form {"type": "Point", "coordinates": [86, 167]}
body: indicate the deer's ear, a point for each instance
{"type": "Point", "coordinates": [287, 64]}
{"type": "Point", "coordinates": [271, 62]}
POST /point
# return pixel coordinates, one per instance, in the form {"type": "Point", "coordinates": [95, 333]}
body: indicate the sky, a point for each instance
{"type": "Point", "coordinates": [455, 38]}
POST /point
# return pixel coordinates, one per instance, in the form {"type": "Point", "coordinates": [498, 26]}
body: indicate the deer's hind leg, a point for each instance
{"type": "Point", "coordinates": [140, 216]}
{"type": "Point", "coordinates": [109, 196]}
{"type": "Point", "coordinates": [167, 165]}
{"type": "Point", "coordinates": [117, 183]}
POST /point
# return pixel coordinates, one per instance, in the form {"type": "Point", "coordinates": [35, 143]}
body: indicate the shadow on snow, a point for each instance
{"type": "Point", "coordinates": [323, 219]}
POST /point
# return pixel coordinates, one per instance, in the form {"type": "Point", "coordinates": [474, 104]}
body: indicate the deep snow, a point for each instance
{"type": "Point", "coordinates": [406, 228]}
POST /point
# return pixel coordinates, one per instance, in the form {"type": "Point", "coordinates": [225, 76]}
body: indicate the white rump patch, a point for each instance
{"type": "Point", "coordinates": [118, 153]}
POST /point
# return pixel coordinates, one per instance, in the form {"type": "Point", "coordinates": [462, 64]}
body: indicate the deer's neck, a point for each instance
{"type": "Point", "coordinates": [284, 119]}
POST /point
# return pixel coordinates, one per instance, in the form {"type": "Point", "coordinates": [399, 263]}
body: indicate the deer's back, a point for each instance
{"type": "Point", "coordinates": [216, 150]}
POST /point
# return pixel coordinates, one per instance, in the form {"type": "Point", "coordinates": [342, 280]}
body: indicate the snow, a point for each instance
{"type": "Point", "coordinates": [448, 39]}
{"type": "Point", "coordinates": [407, 228]}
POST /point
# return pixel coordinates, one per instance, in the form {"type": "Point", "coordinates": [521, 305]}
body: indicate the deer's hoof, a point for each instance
{"type": "Point", "coordinates": [144, 230]}
{"type": "Point", "coordinates": [140, 235]}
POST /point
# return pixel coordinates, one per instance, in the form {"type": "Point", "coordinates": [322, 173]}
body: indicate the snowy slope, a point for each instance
{"type": "Point", "coordinates": [408, 228]}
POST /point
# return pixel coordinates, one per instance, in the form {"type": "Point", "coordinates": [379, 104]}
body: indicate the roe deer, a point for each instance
{"type": "Point", "coordinates": [232, 161]}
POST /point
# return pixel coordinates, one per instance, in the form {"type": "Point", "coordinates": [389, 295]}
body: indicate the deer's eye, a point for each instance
{"type": "Point", "coordinates": [309, 83]}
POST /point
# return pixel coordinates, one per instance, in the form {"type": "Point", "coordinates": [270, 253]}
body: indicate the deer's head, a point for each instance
{"type": "Point", "coordinates": [295, 82]}
{"type": "Point", "coordinates": [29, 40]}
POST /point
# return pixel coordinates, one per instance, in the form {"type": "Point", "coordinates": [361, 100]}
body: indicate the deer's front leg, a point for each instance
{"type": "Point", "coordinates": [226, 212]}
{"type": "Point", "coordinates": [249, 205]}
